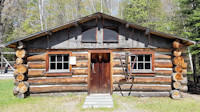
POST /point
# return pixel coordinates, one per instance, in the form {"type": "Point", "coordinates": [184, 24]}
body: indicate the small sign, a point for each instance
{"type": "Point", "coordinates": [72, 60]}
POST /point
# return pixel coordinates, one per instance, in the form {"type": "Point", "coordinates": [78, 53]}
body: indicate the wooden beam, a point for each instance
{"type": "Point", "coordinates": [143, 88]}
{"type": "Point", "coordinates": [54, 81]}
{"type": "Point", "coordinates": [63, 88]}
{"type": "Point", "coordinates": [143, 80]}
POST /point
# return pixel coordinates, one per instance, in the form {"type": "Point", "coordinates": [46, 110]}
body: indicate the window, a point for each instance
{"type": "Point", "coordinates": [143, 61]}
{"type": "Point", "coordinates": [89, 34]}
{"type": "Point", "coordinates": [58, 61]}
{"type": "Point", "coordinates": [110, 34]}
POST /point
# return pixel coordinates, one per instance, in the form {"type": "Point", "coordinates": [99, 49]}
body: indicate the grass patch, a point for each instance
{"type": "Point", "coordinates": [168, 104]}
{"type": "Point", "coordinates": [71, 103]}
{"type": "Point", "coordinates": [6, 95]}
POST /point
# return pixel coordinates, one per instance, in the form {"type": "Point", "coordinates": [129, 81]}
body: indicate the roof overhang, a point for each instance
{"type": "Point", "coordinates": [13, 44]}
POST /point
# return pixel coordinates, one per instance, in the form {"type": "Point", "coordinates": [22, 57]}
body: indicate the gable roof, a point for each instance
{"type": "Point", "coordinates": [13, 44]}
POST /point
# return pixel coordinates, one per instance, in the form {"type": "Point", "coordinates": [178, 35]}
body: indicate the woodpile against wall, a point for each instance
{"type": "Point", "coordinates": [180, 68]}
{"type": "Point", "coordinates": [22, 86]}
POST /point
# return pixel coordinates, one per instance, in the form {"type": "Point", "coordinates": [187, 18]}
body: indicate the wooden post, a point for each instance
{"type": "Point", "coordinates": [179, 68]}
{"type": "Point", "coordinates": [1, 63]}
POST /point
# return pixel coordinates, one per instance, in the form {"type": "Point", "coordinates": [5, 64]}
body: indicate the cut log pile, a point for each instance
{"type": "Point", "coordinates": [22, 86]}
{"type": "Point", "coordinates": [179, 81]}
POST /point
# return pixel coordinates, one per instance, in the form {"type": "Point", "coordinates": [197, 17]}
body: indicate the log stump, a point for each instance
{"type": "Point", "coordinates": [22, 68]}
{"type": "Point", "coordinates": [175, 94]}
{"type": "Point", "coordinates": [21, 53]}
{"type": "Point", "coordinates": [177, 85]}
{"type": "Point", "coordinates": [177, 76]}
{"type": "Point", "coordinates": [23, 87]}
{"type": "Point", "coordinates": [178, 60]}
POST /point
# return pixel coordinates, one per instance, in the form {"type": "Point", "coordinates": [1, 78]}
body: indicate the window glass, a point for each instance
{"type": "Point", "coordinates": [89, 34]}
{"type": "Point", "coordinates": [59, 62]}
{"type": "Point", "coordinates": [110, 35]}
{"type": "Point", "coordinates": [143, 62]}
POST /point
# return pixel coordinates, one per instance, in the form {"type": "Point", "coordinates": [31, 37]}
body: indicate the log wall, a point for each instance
{"type": "Point", "coordinates": [156, 83]}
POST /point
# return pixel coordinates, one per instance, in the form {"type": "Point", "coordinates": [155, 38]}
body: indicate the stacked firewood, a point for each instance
{"type": "Point", "coordinates": [21, 88]}
{"type": "Point", "coordinates": [179, 82]}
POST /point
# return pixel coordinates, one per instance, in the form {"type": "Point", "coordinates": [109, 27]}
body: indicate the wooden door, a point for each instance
{"type": "Point", "coordinates": [100, 73]}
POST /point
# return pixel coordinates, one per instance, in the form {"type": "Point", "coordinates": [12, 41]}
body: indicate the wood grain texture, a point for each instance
{"type": "Point", "coordinates": [37, 65]}
{"type": "Point", "coordinates": [163, 65]}
{"type": "Point", "coordinates": [22, 68]}
{"type": "Point", "coordinates": [40, 57]}
{"type": "Point", "coordinates": [21, 53]}
{"type": "Point", "coordinates": [54, 81]}
{"type": "Point", "coordinates": [143, 88]}
{"type": "Point", "coordinates": [63, 88]}
{"type": "Point", "coordinates": [143, 80]}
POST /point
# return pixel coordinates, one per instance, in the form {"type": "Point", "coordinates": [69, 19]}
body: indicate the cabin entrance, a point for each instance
{"type": "Point", "coordinates": [100, 73]}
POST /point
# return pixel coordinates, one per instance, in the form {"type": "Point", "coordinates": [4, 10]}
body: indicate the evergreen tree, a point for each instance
{"type": "Point", "coordinates": [190, 11]}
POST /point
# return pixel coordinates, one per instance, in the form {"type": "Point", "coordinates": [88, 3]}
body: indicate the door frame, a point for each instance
{"type": "Point", "coordinates": [111, 67]}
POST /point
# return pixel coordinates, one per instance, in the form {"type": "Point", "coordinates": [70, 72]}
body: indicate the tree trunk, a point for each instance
{"type": "Point", "coordinates": [2, 26]}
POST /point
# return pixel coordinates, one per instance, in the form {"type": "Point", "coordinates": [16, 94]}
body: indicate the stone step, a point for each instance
{"type": "Point", "coordinates": [98, 97]}
{"type": "Point", "coordinates": [97, 106]}
{"type": "Point", "coordinates": [100, 103]}
{"type": "Point", "coordinates": [93, 99]}
{"type": "Point", "coordinates": [98, 100]}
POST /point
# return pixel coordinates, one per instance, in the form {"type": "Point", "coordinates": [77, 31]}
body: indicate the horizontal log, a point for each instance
{"type": "Point", "coordinates": [36, 73]}
{"type": "Point", "coordinates": [20, 77]}
{"type": "Point", "coordinates": [15, 90]}
{"type": "Point", "coordinates": [37, 65]}
{"type": "Point", "coordinates": [175, 94]}
{"type": "Point", "coordinates": [177, 68]}
{"type": "Point", "coordinates": [184, 88]}
{"type": "Point", "coordinates": [163, 64]}
{"type": "Point", "coordinates": [62, 94]}
{"type": "Point", "coordinates": [23, 86]}
{"type": "Point", "coordinates": [81, 56]}
{"type": "Point", "coordinates": [162, 56]}
{"type": "Point", "coordinates": [81, 64]}
{"type": "Point", "coordinates": [22, 68]}
{"type": "Point", "coordinates": [40, 57]}
{"type": "Point", "coordinates": [142, 88]}
{"type": "Point", "coordinates": [21, 95]}
{"type": "Point", "coordinates": [19, 61]}
{"type": "Point", "coordinates": [177, 53]}
{"type": "Point", "coordinates": [184, 71]}
{"type": "Point", "coordinates": [184, 65]}
{"type": "Point", "coordinates": [163, 72]}
{"type": "Point", "coordinates": [80, 71]}
{"type": "Point", "coordinates": [184, 81]}
{"type": "Point", "coordinates": [177, 45]}
{"type": "Point", "coordinates": [142, 80]}
{"type": "Point", "coordinates": [178, 60]}
{"type": "Point", "coordinates": [144, 94]}
{"type": "Point", "coordinates": [176, 85]}
{"type": "Point", "coordinates": [177, 76]}
{"type": "Point", "coordinates": [54, 81]}
{"type": "Point", "coordinates": [57, 89]}
{"type": "Point", "coordinates": [21, 53]}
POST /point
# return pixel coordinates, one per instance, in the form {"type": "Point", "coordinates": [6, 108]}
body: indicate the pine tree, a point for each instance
{"type": "Point", "coordinates": [190, 11]}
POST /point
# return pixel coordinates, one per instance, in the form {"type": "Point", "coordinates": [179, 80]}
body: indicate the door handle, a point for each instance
{"type": "Point", "coordinates": [93, 68]}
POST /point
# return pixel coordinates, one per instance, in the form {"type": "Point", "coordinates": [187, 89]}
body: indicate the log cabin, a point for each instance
{"type": "Point", "coordinates": [98, 54]}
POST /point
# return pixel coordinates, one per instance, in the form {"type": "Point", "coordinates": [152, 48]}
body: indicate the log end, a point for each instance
{"type": "Point", "coordinates": [175, 94]}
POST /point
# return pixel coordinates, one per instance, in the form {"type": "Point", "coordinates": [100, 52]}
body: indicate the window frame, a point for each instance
{"type": "Point", "coordinates": [89, 41]}
{"type": "Point", "coordinates": [152, 62]}
{"type": "Point", "coordinates": [57, 53]}
{"type": "Point", "coordinates": [110, 28]}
